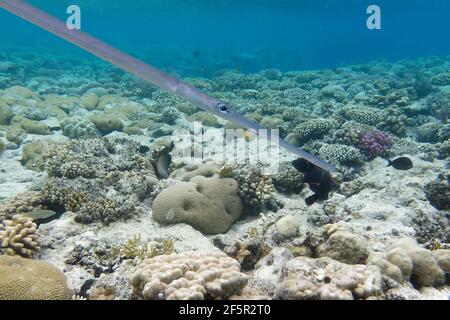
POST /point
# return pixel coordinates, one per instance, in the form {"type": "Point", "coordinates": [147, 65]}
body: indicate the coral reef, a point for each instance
{"type": "Point", "coordinates": [188, 276]}
{"type": "Point", "coordinates": [99, 179]}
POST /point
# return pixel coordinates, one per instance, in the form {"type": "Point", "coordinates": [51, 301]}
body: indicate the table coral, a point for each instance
{"type": "Point", "coordinates": [192, 275]}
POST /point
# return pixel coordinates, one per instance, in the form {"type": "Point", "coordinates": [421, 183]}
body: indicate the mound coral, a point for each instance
{"type": "Point", "coordinates": [27, 279]}
{"type": "Point", "coordinates": [306, 278]}
{"type": "Point", "coordinates": [107, 123]}
{"type": "Point", "coordinates": [194, 275]}
{"type": "Point", "coordinates": [210, 205]}
{"type": "Point", "coordinates": [78, 127]}
{"type": "Point", "coordinates": [35, 154]}
{"type": "Point", "coordinates": [345, 247]}
{"type": "Point", "coordinates": [19, 236]}
{"type": "Point", "coordinates": [406, 260]}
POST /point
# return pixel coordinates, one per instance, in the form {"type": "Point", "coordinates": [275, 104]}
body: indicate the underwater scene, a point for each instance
{"type": "Point", "coordinates": [224, 150]}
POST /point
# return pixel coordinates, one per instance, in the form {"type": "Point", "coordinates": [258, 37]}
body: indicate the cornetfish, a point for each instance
{"type": "Point", "coordinates": [146, 72]}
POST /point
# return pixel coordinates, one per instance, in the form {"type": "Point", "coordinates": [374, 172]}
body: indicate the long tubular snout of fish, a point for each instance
{"type": "Point", "coordinates": [141, 69]}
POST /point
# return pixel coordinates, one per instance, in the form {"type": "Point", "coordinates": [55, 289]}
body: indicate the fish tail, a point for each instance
{"type": "Point", "coordinates": [311, 199]}
{"type": "Point", "coordinates": [389, 163]}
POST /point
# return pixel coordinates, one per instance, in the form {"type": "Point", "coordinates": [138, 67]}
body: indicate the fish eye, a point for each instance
{"type": "Point", "coordinates": [222, 108]}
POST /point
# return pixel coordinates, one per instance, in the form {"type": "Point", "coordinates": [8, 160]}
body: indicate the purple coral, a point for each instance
{"type": "Point", "coordinates": [376, 143]}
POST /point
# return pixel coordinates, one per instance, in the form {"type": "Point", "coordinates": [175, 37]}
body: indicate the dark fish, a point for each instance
{"type": "Point", "coordinates": [196, 53]}
{"type": "Point", "coordinates": [319, 180]}
{"type": "Point", "coordinates": [143, 149]}
{"type": "Point", "coordinates": [402, 163]}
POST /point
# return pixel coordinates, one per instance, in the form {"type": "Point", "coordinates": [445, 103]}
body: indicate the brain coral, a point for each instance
{"type": "Point", "coordinates": [78, 127]}
{"type": "Point", "coordinates": [210, 205]}
{"type": "Point", "coordinates": [194, 275]}
{"type": "Point", "coordinates": [26, 279]}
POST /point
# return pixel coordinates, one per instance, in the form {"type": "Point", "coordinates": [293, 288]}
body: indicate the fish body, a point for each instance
{"type": "Point", "coordinates": [319, 180]}
{"type": "Point", "coordinates": [402, 163]}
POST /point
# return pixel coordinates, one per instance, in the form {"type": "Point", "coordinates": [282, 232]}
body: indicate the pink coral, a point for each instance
{"type": "Point", "coordinates": [376, 143]}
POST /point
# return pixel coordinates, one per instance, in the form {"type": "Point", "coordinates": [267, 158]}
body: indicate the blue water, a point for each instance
{"type": "Point", "coordinates": [285, 34]}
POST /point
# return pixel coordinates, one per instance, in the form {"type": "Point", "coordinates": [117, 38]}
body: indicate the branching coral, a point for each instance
{"type": "Point", "coordinates": [376, 143]}
{"type": "Point", "coordinates": [288, 179]}
{"type": "Point", "coordinates": [313, 129]}
{"type": "Point", "coordinates": [99, 179]}
{"type": "Point", "coordinates": [135, 247]}
{"type": "Point", "coordinates": [340, 154]}
{"type": "Point", "coordinates": [194, 275]}
{"type": "Point", "coordinates": [19, 236]}
{"type": "Point", "coordinates": [256, 188]}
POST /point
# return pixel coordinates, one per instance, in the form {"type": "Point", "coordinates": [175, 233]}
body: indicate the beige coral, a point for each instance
{"type": "Point", "coordinates": [406, 260]}
{"type": "Point", "coordinates": [210, 205]}
{"type": "Point", "coordinates": [328, 279]}
{"type": "Point", "coordinates": [192, 275]}
{"type": "Point", "coordinates": [27, 279]}
{"type": "Point", "coordinates": [19, 236]}
{"type": "Point", "coordinates": [344, 246]}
